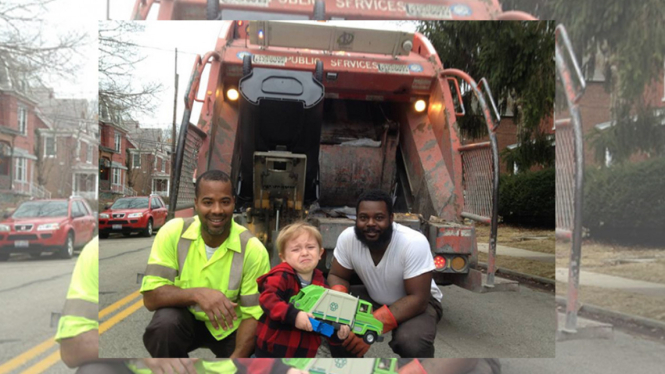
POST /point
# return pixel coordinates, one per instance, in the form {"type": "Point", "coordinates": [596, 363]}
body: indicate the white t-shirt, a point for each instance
{"type": "Point", "coordinates": [210, 251]}
{"type": "Point", "coordinates": [408, 256]}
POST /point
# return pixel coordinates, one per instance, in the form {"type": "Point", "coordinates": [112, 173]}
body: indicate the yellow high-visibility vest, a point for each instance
{"type": "Point", "coordinates": [178, 257]}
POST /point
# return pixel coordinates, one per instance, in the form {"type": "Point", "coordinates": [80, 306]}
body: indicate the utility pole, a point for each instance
{"type": "Point", "coordinates": [108, 10]}
{"type": "Point", "coordinates": [173, 129]}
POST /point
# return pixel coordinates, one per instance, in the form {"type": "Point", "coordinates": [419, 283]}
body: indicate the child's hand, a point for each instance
{"type": "Point", "coordinates": [302, 321]}
{"type": "Point", "coordinates": [343, 332]}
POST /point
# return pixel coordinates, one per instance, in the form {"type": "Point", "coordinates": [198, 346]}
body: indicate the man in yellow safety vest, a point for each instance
{"type": "Point", "coordinates": [201, 278]}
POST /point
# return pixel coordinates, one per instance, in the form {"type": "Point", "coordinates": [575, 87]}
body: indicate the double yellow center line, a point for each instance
{"type": "Point", "coordinates": [54, 357]}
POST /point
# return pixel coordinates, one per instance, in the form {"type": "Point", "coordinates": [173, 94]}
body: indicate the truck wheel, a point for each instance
{"type": "Point", "coordinates": [212, 10]}
{"type": "Point", "coordinates": [318, 71]}
{"type": "Point", "coordinates": [148, 229]}
{"type": "Point", "coordinates": [319, 10]}
{"type": "Point", "coordinates": [370, 337]}
{"type": "Point", "coordinates": [103, 235]}
{"type": "Point", "coordinates": [68, 250]}
{"type": "Point", "coordinates": [246, 65]}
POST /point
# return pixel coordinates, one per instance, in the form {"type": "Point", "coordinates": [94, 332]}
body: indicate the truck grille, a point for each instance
{"type": "Point", "coordinates": [23, 227]}
{"type": "Point", "coordinates": [118, 215]}
{"type": "Point", "coordinates": [23, 237]}
{"type": "Point", "coordinates": [118, 222]}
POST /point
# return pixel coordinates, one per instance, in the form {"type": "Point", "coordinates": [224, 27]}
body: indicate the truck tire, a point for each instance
{"type": "Point", "coordinates": [212, 9]}
{"type": "Point", "coordinates": [370, 337]}
{"type": "Point", "coordinates": [103, 235]}
{"type": "Point", "coordinates": [246, 65]}
{"type": "Point", "coordinates": [319, 10]}
{"type": "Point", "coordinates": [318, 71]}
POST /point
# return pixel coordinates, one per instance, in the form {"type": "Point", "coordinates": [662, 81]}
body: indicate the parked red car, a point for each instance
{"type": "Point", "coordinates": [133, 214]}
{"type": "Point", "coordinates": [53, 225]}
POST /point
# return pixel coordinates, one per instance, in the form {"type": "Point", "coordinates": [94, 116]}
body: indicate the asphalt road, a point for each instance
{"type": "Point", "coordinates": [30, 289]}
{"type": "Point", "coordinates": [502, 325]}
{"type": "Point", "coordinates": [512, 324]}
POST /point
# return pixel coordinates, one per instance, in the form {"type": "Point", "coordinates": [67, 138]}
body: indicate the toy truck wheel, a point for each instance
{"type": "Point", "coordinates": [212, 9]}
{"type": "Point", "coordinates": [370, 337]}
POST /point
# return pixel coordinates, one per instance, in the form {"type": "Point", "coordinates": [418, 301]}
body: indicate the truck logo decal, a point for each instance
{"type": "Point", "coordinates": [340, 362]}
{"type": "Point", "coordinates": [333, 306]}
{"type": "Point", "coordinates": [461, 10]}
{"type": "Point", "coordinates": [416, 68]}
{"type": "Point", "coordinates": [345, 39]}
{"type": "Point", "coordinates": [428, 11]}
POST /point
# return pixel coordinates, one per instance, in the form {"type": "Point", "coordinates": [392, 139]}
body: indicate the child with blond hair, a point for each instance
{"type": "Point", "coordinates": [284, 331]}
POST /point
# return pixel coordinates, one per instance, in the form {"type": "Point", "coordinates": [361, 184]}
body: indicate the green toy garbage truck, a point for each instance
{"type": "Point", "coordinates": [339, 308]}
{"type": "Point", "coordinates": [344, 365]}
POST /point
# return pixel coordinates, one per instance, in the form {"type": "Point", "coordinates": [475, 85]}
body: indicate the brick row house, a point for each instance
{"type": "Point", "coordinates": [36, 132]}
{"type": "Point", "coordinates": [132, 160]}
{"type": "Point", "coordinates": [149, 163]}
{"type": "Point", "coordinates": [112, 157]}
{"type": "Point", "coordinates": [70, 143]}
{"type": "Point", "coordinates": [595, 110]}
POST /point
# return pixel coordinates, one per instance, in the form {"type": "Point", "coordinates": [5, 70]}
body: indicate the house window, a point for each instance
{"type": "Point", "coordinates": [88, 155]}
{"type": "Point", "coordinates": [117, 177]}
{"type": "Point", "coordinates": [163, 165]}
{"type": "Point", "coordinates": [118, 141]}
{"type": "Point", "coordinates": [136, 160]}
{"type": "Point", "coordinates": [160, 186]}
{"type": "Point", "coordinates": [22, 120]}
{"type": "Point", "coordinates": [49, 146]}
{"type": "Point", "coordinates": [5, 159]}
{"type": "Point", "coordinates": [21, 170]}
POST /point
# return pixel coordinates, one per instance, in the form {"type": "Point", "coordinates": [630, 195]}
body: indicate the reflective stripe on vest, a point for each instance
{"type": "Point", "coordinates": [81, 308]}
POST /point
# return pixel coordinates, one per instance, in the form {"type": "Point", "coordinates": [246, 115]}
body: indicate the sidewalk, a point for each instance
{"type": "Point", "coordinates": [503, 250]}
{"type": "Point", "coordinates": [588, 278]}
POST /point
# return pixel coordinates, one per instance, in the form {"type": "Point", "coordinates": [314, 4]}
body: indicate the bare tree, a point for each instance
{"type": "Point", "coordinates": [27, 51]}
{"type": "Point", "coordinates": [119, 89]}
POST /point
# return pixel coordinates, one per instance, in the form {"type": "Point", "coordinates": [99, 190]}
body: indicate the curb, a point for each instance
{"type": "Point", "coordinates": [648, 322]}
{"type": "Point", "coordinates": [535, 278]}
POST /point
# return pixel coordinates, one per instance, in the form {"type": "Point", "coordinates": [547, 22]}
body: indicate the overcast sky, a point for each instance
{"type": "Point", "coordinates": [61, 17]}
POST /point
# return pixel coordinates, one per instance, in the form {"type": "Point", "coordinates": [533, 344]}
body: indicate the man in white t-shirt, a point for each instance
{"type": "Point", "coordinates": [395, 266]}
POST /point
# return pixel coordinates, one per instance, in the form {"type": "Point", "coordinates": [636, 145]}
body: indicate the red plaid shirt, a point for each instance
{"type": "Point", "coordinates": [276, 333]}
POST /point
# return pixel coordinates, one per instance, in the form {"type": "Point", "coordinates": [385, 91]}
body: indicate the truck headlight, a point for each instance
{"type": "Point", "coordinates": [104, 215]}
{"type": "Point", "coordinates": [48, 226]}
{"type": "Point", "coordinates": [135, 215]}
{"type": "Point", "coordinates": [4, 228]}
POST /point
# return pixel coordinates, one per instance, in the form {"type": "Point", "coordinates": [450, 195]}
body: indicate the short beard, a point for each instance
{"type": "Point", "coordinates": [380, 242]}
{"type": "Point", "coordinates": [219, 232]}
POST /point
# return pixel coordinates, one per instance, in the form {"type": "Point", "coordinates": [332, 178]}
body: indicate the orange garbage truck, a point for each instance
{"type": "Point", "coordinates": [305, 117]}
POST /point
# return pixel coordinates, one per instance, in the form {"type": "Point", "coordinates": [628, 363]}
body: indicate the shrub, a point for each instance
{"type": "Point", "coordinates": [528, 198]}
{"type": "Point", "coordinates": [626, 203]}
